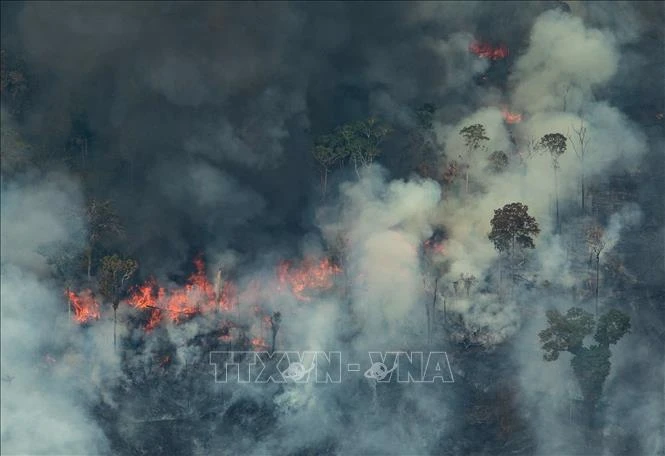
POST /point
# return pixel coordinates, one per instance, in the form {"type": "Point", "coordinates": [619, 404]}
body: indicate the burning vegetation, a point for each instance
{"type": "Point", "coordinates": [488, 51]}
{"type": "Point", "coordinates": [200, 296]}
{"type": "Point", "coordinates": [310, 275]}
{"type": "Point", "coordinates": [85, 306]}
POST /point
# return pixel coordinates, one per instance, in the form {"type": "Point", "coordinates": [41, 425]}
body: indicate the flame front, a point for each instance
{"type": "Point", "coordinates": [311, 275]}
{"type": "Point", "coordinates": [488, 51]}
{"type": "Point", "coordinates": [85, 307]}
{"type": "Point", "coordinates": [198, 295]}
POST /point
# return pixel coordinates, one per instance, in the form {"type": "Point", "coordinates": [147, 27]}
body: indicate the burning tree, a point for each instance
{"type": "Point", "coordinates": [84, 304]}
{"type": "Point", "coordinates": [474, 139]}
{"type": "Point", "coordinates": [115, 273]}
{"type": "Point", "coordinates": [591, 364]}
{"type": "Point", "coordinates": [555, 145]}
{"type": "Point", "coordinates": [513, 227]}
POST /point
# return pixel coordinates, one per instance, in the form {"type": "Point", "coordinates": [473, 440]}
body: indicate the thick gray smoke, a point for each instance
{"type": "Point", "coordinates": [197, 120]}
{"type": "Point", "coordinates": [52, 371]}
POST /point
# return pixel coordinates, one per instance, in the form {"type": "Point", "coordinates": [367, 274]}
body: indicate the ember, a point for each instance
{"type": "Point", "coordinates": [259, 344]}
{"type": "Point", "coordinates": [488, 51]}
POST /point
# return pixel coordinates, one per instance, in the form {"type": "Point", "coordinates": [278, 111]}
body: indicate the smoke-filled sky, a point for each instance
{"type": "Point", "coordinates": [200, 118]}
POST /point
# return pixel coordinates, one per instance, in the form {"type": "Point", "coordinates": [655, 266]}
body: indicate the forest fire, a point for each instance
{"type": "Point", "coordinates": [488, 51]}
{"type": "Point", "coordinates": [85, 307]}
{"type": "Point", "coordinates": [197, 296]}
{"type": "Point", "coordinates": [510, 117]}
{"type": "Point", "coordinates": [311, 275]}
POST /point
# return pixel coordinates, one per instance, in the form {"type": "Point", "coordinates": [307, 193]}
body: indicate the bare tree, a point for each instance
{"type": "Point", "coordinates": [327, 152]}
{"type": "Point", "coordinates": [580, 144]}
{"type": "Point", "coordinates": [596, 243]}
{"type": "Point", "coordinates": [114, 276]}
{"type": "Point", "coordinates": [468, 280]}
{"type": "Point", "coordinates": [275, 323]}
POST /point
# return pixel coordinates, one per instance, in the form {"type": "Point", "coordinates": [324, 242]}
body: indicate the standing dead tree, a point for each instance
{"type": "Point", "coordinates": [114, 276]}
{"type": "Point", "coordinates": [580, 144]}
{"type": "Point", "coordinates": [275, 323]}
{"type": "Point", "coordinates": [596, 243]}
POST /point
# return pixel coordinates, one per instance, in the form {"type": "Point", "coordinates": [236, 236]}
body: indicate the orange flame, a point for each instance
{"type": "Point", "coordinates": [259, 344]}
{"type": "Point", "coordinates": [432, 246]}
{"type": "Point", "coordinates": [155, 319]}
{"type": "Point", "coordinates": [198, 295]}
{"type": "Point", "coordinates": [311, 275]}
{"type": "Point", "coordinates": [85, 306]}
{"type": "Point", "coordinates": [511, 117]}
{"type": "Point", "coordinates": [488, 51]}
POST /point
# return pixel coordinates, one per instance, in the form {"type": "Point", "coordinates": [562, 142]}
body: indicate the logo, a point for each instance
{"type": "Point", "coordinates": [327, 367]}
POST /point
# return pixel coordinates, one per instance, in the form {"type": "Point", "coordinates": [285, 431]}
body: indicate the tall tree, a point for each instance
{"type": "Point", "coordinates": [580, 143]}
{"type": "Point", "coordinates": [102, 221]}
{"type": "Point", "coordinates": [422, 140]}
{"type": "Point", "coordinates": [513, 227]}
{"type": "Point", "coordinates": [555, 145]}
{"type": "Point", "coordinates": [65, 261]}
{"type": "Point", "coordinates": [474, 140]}
{"type": "Point", "coordinates": [328, 153]}
{"type": "Point", "coordinates": [114, 276]}
{"type": "Point", "coordinates": [591, 365]}
{"type": "Point", "coordinates": [596, 243]}
{"type": "Point", "coordinates": [361, 141]}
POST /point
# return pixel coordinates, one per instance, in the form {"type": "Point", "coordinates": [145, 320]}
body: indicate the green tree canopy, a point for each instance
{"type": "Point", "coordinates": [513, 226]}
{"type": "Point", "coordinates": [565, 332]}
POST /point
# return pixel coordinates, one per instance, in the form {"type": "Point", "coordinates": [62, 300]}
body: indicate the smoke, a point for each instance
{"type": "Point", "coordinates": [199, 120]}
{"type": "Point", "coordinates": [52, 371]}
